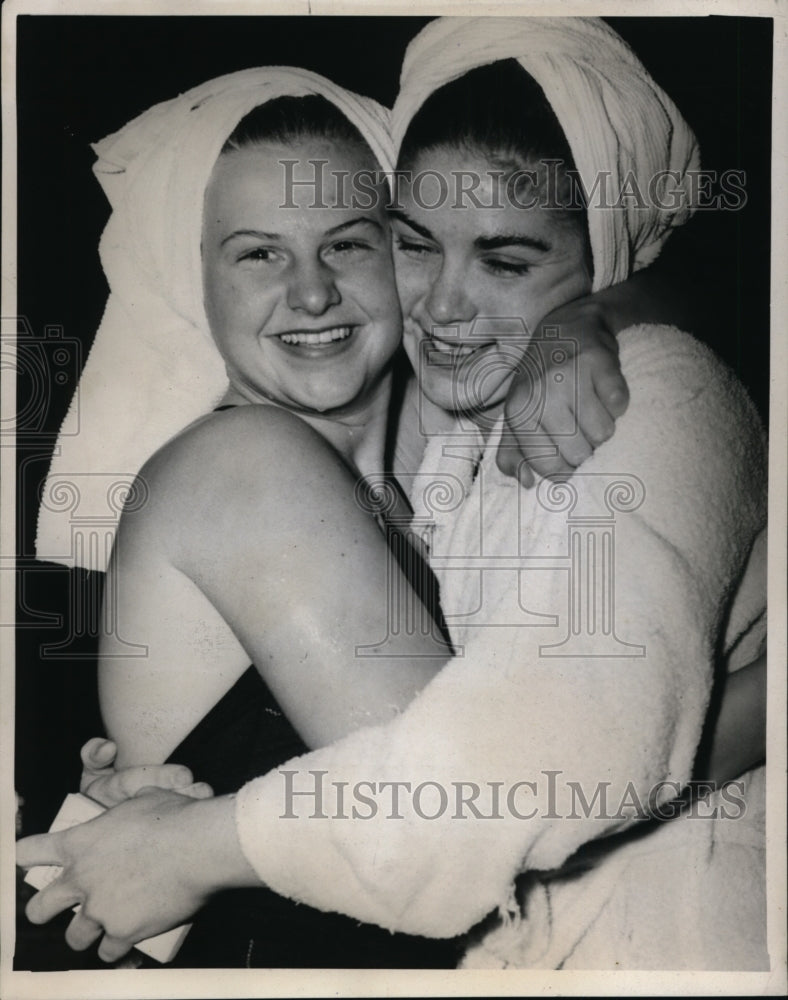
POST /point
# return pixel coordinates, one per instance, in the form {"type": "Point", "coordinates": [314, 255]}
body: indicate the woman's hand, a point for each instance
{"type": "Point", "coordinates": [101, 782]}
{"type": "Point", "coordinates": [577, 411]}
{"type": "Point", "coordinates": [566, 401]}
{"type": "Point", "coordinates": [139, 869]}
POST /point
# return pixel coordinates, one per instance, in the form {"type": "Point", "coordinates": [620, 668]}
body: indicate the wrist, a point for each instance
{"type": "Point", "coordinates": [209, 825]}
{"type": "Point", "coordinates": [618, 307]}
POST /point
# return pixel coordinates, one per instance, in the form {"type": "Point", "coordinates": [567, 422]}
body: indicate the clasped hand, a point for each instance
{"type": "Point", "coordinates": [566, 395]}
{"type": "Point", "coordinates": [129, 869]}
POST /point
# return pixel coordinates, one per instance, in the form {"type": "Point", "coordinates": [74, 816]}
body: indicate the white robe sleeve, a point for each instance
{"type": "Point", "coordinates": [513, 756]}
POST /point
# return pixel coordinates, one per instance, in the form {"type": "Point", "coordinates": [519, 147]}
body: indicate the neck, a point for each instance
{"type": "Point", "coordinates": [359, 435]}
{"type": "Point", "coordinates": [357, 432]}
{"type": "Point", "coordinates": [485, 421]}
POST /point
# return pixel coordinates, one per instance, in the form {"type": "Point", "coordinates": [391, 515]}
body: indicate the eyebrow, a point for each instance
{"type": "Point", "coordinates": [396, 213]}
{"type": "Point", "coordinates": [261, 235]}
{"type": "Point", "coordinates": [358, 221]}
{"type": "Point", "coordinates": [509, 240]}
{"type": "Point", "coordinates": [481, 242]}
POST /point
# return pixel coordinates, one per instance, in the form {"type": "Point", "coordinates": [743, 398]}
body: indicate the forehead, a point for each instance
{"type": "Point", "coordinates": [311, 179]}
{"type": "Point", "coordinates": [461, 192]}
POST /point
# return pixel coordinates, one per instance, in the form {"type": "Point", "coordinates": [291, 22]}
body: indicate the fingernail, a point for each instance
{"type": "Point", "coordinates": [182, 778]}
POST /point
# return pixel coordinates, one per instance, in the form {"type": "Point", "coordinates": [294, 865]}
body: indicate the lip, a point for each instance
{"type": "Point", "coordinates": [317, 343]}
{"type": "Point", "coordinates": [449, 351]}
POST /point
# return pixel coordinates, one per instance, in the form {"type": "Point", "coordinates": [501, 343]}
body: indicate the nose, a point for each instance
{"type": "Point", "coordinates": [448, 301]}
{"type": "Point", "coordinates": [312, 288]}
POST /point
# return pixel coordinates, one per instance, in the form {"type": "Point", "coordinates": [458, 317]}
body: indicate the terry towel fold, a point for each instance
{"type": "Point", "coordinates": [504, 712]}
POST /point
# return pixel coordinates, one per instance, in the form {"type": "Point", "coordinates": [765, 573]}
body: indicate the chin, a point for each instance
{"type": "Point", "coordinates": [441, 395]}
{"type": "Point", "coordinates": [467, 404]}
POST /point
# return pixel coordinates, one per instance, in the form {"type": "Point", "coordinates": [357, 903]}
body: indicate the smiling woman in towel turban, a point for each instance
{"type": "Point", "coordinates": [620, 708]}
{"type": "Point", "coordinates": [228, 284]}
{"type": "Point", "coordinates": [504, 714]}
{"type": "Point", "coordinates": [154, 366]}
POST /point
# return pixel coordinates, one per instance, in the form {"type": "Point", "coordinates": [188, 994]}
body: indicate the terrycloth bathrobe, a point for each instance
{"type": "Point", "coordinates": [679, 492]}
{"type": "Point", "coordinates": [508, 710]}
{"type": "Point", "coordinates": [587, 618]}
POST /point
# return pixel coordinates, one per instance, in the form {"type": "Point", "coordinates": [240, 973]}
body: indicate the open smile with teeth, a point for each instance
{"type": "Point", "coordinates": [317, 338]}
{"type": "Point", "coordinates": [455, 348]}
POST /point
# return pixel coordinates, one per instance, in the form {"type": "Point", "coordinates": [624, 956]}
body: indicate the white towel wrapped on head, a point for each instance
{"type": "Point", "coordinates": [153, 367]}
{"type": "Point", "coordinates": [601, 95]}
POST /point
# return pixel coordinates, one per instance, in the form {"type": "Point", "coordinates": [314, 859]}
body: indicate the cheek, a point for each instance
{"type": "Point", "coordinates": [413, 282]}
{"type": "Point", "coordinates": [509, 301]}
{"type": "Point", "coordinates": [236, 307]}
{"type": "Point", "coordinates": [373, 287]}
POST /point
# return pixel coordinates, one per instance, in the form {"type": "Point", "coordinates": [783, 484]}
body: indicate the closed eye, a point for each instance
{"type": "Point", "coordinates": [345, 246]}
{"type": "Point", "coordinates": [506, 267]}
{"type": "Point", "coordinates": [413, 248]}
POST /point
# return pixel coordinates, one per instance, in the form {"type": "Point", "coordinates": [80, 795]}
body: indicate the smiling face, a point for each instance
{"type": "Point", "coordinates": [301, 301]}
{"type": "Point", "coordinates": [474, 281]}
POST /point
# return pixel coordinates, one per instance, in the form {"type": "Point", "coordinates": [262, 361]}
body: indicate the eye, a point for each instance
{"type": "Point", "coordinates": [413, 248]}
{"type": "Point", "coordinates": [262, 255]}
{"type": "Point", "coordinates": [497, 265]}
{"type": "Point", "coordinates": [350, 246]}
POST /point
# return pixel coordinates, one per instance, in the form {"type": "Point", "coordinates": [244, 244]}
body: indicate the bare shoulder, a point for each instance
{"type": "Point", "coordinates": [255, 443]}
{"type": "Point", "coordinates": [218, 470]}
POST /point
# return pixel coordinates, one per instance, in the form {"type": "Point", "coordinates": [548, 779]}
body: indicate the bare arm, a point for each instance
{"type": "Point", "coordinates": [738, 738]}
{"type": "Point", "coordinates": [252, 548]}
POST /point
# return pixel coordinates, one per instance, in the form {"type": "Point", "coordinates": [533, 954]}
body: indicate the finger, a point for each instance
{"type": "Point", "coordinates": [112, 948]}
{"type": "Point", "coordinates": [544, 460]}
{"type": "Point", "coordinates": [38, 849]}
{"type": "Point", "coordinates": [199, 790]}
{"type": "Point", "coordinates": [612, 390]}
{"type": "Point", "coordinates": [130, 782]}
{"type": "Point", "coordinates": [508, 457]}
{"type": "Point", "coordinates": [98, 753]}
{"type": "Point", "coordinates": [521, 463]}
{"type": "Point", "coordinates": [525, 450]}
{"type": "Point", "coordinates": [82, 932]}
{"type": "Point", "coordinates": [58, 896]}
{"type": "Point", "coordinates": [545, 454]}
{"type": "Point", "coordinates": [595, 422]}
{"type": "Point", "coordinates": [550, 465]}
{"type": "Point", "coordinates": [575, 449]}
{"type": "Point", "coordinates": [524, 475]}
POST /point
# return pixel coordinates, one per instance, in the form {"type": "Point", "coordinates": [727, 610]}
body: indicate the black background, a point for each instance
{"type": "Point", "coordinates": [82, 77]}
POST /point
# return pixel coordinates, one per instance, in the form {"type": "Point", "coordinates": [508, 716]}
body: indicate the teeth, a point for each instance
{"type": "Point", "coordinates": [458, 350]}
{"type": "Point", "coordinates": [323, 337]}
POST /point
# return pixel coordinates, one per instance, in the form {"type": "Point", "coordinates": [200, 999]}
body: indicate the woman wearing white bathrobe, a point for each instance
{"type": "Point", "coordinates": [509, 712]}
{"type": "Point", "coordinates": [614, 698]}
